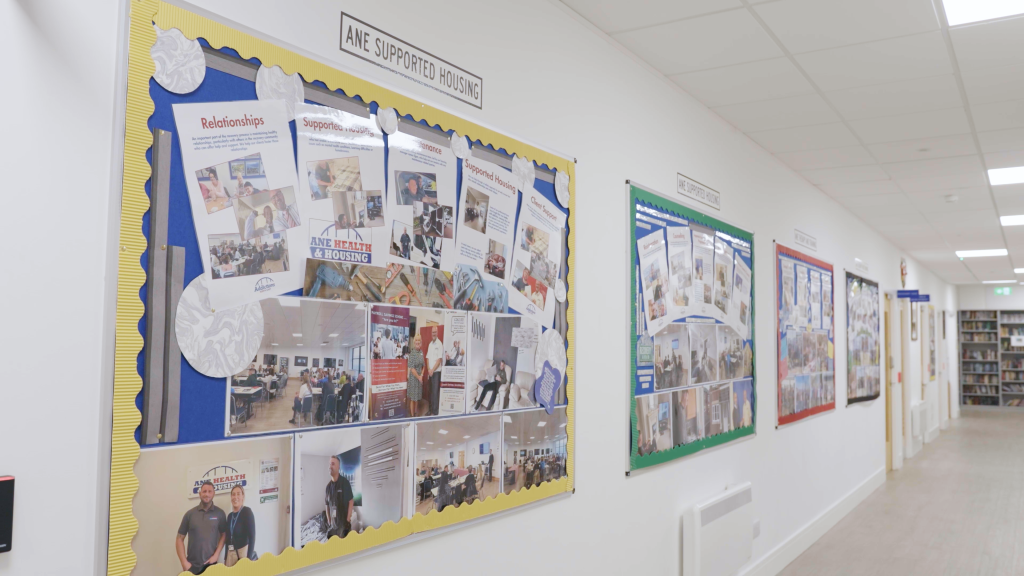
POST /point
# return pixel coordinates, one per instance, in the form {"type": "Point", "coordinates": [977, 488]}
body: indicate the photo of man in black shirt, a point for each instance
{"type": "Point", "coordinates": [339, 501]}
{"type": "Point", "coordinates": [205, 526]}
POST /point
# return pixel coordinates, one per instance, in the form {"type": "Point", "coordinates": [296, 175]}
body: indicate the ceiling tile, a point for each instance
{"type": "Point", "coordinates": [989, 44]}
{"type": "Point", "coordinates": [994, 84]}
{"type": "Point", "coordinates": [998, 268]}
{"type": "Point", "coordinates": [615, 16]}
{"type": "Point", "coordinates": [879, 62]}
{"type": "Point", "coordinates": [923, 148]}
{"type": "Point", "coordinates": [817, 137]}
{"type": "Point", "coordinates": [1009, 159]}
{"type": "Point", "coordinates": [934, 167]}
{"type": "Point", "coordinates": [781, 113]}
{"type": "Point", "coordinates": [936, 255]}
{"type": "Point", "coordinates": [860, 188]}
{"type": "Point", "coordinates": [845, 175]}
{"type": "Point", "coordinates": [828, 158]}
{"type": "Point", "coordinates": [1002, 140]}
{"type": "Point", "coordinates": [899, 223]}
{"type": "Point", "coordinates": [876, 201]}
{"type": "Point", "coordinates": [749, 82]}
{"type": "Point", "coordinates": [910, 126]}
{"type": "Point", "coordinates": [1009, 199]}
{"type": "Point", "coordinates": [805, 25]}
{"type": "Point", "coordinates": [976, 198]}
{"type": "Point", "coordinates": [1014, 238]}
{"type": "Point", "coordinates": [928, 183]}
{"type": "Point", "coordinates": [998, 116]}
{"type": "Point", "coordinates": [868, 213]}
{"type": "Point", "coordinates": [984, 220]}
{"type": "Point", "coordinates": [700, 43]}
{"type": "Point", "coordinates": [903, 97]}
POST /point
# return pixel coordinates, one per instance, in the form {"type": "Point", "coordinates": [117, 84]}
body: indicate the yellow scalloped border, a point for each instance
{"type": "Point", "coordinates": [131, 277]}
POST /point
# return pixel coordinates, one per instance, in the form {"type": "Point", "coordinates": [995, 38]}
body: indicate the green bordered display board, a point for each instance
{"type": "Point", "coordinates": [691, 344]}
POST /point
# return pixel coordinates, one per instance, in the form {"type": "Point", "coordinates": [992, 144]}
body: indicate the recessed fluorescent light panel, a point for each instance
{"type": "Point", "coordinates": [1017, 220]}
{"type": "Point", "coordinates": [1018, 270]}
{"type": "Point", "coordinates": [998, 281]}
{"type": "Point", "coordinates": [1002, 176]}
{"type": "Point", "coordinates": [981, 253]}
{"type": "Point", "coordinates": [967, 11]}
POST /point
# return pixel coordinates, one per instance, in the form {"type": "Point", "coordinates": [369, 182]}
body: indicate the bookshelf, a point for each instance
{"type": "Point", "coordinates": [991, 369]}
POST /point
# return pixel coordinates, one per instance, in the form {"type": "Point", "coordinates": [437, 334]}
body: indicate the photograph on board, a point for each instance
{"type": "Point", "coordinates": [455, 461]}
{"type": "Point", "coordinates": [529, 286]}
{"type": "Point", "coordinates": [327, 177]}
{"type": "Point", "coordinates": [743, 403]}
{"type": "Point", "coordinates": [501, 362]}
{"type": "Point", "coordinates": [687, 409]}
{"type": "Point", "coordinates": [231, 257]}
{"type": "Point", "coordinates": [330, 280]}
{"type": "Point", "coordinates": [212, 503]}
{"type": "Point", "coordinates": [717, 409]}
{"type": "Point", "coordinates": [534, 449]}
{"type": "Point", "coordinates": [268, 397]}
{"type": "Point", "coordinates": [266, 212]}
{"type": "Point", "coordinates": [389, 362]}
{"type": "Point", "coordinates": [476, 210]}
{"type": "Point", "coordinates": [432, 347]}
{"type": "Point", "coordinates": [475, 294]}
{"type": "Point", "coordinates": [221, 183]}
{"type": "Point", "coordinates": [418, 248]}
{"type": "Point", "coordinates": [418, 286]}
{"type": "Point", "coordinates": [416, 187]}
{"type": "Point", "coordinates": [735, 359]}
{"type": "Point", "coordinates": [703, 353]}
{"type": "Point", "coordinates": [358, 209]}
{"type": "Point", "coordinates": [433, 220]}
{"type": "Point", "coordinates": [494, 261]}
{"type": "Point", "coordinates": [654, 422]}
{"type": "Point", "coordinates": [672, 357]}
{"type": "Point", "coordinates": [350, 479]}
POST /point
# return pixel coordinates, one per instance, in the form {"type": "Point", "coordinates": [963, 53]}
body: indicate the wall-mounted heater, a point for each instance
{"type": "Point", "coordinates": [718, 533]}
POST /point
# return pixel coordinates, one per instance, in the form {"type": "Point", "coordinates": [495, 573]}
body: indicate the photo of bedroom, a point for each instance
{"type": "Point", "coordinates": [455, 461]}
{"type": "Point", "coordinates": [476, 210]}
{"type": "Point", "coordinates": [534, 449]}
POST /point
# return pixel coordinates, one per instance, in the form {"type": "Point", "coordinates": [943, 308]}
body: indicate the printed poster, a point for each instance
{"type": "Point", "coordinates": [270, 484]}
{"type": "Point", "coordinates": [654, 277]}
{"type": "Point", "coordinates": [680, 271]}
{"type": "Point", "coordinates": [487, 219]}
{"type": "Point", "coordinates": [739, 316]}
{"type": "Point", "coordinates": [249, 214]}
{"type": "Point", "coordinates": [723, 276]}
{"type": "Point", "coordinates": [389, 335]}
{"type": "Point", "coordinates": [537, 258]}
{"type": "Point", "coordinates": [703, 271]}
{"type": "Point", "coordinates": [341, 169]}
{"type": "Point", "coordinates": [422, 180]}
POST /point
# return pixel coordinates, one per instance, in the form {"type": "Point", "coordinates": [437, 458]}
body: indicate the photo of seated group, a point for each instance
{"type": "Point", "coordinates": [455, 460]}
{"type": "Point", "coordinates": [534, 450]}
{"type": "Point", "coordinates": [228, 180]}
{"type": "Point", "coordinates": [284, 392]}
{"type": "Point", "coordinates": [420, 248]}
{"type": "Point", "coordinates": [501, 374]}
{"type": "Point", "coordinates": [232, 257]}
{"type": "Point", "coordinates": [416, 187]}
{"type": "Point", "coordinates": [351, 479]}
{"type": "Point", "coordinates": [266, 212]}
{"type": "Point", "coordinates": [213, 503]}
{"type": "Point", "coordinates": [328, 177]}
{"type": "Point", "coordinates": [685, 416]}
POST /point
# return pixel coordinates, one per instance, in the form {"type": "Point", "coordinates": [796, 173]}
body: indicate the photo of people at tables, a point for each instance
{"type": "Point", "coordinates": [222, 183]}
{"type": "Point", "coordinates": [232, 257]}
{"type": "Point", "coordinates": [455, 461]}
{"type": "Point", "coordinates": [672, 357]}
{"type": "Point", "coordinates": [350, 479]}
{"type": "Point", "coordinates": [654, 422]}
{"type": "Point", "coordinates": [534, 448]}
{"type": "Point", "coordinates": [280, 394]}
{"type": "Point", "coordinates": [501, 362]}
{"type": "Point", "coordinates": [212, 503]}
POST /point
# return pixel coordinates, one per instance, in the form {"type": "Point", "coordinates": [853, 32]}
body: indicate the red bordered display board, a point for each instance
{"type": "Point", "coordinates": [806, 335]}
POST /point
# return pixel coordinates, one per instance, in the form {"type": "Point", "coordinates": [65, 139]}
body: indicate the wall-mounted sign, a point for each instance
{"type": "Point", "coordinates": [806, 240]}
{"type": "Point", "coordinates": [1003, 291]}
{"type": "Point", "coordinates": [699, 192]}
{"type": "Point", "coordinates": [860, 266]}
{"type": "Point", "coordinates": [906, 293]}
{"type": "Point", "coordinates": [1016, 340]}
{"type": "Point", "coordinates": [378, 47]}
{"type": "Point", "coordinates": [921, 298]}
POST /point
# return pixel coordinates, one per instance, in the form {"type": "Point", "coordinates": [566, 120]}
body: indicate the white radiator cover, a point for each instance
{"type": "Point", "coordinates": [718, 533]}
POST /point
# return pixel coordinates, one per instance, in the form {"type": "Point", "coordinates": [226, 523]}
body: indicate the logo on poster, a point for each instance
{"type": "Point", "coordinates": [224, 476]}
{"type": "Point", "coordinates": [264, 285]}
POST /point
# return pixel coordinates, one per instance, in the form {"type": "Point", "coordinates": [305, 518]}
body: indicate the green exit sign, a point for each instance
{"type": "Point", "coordinates": [1004, 291]}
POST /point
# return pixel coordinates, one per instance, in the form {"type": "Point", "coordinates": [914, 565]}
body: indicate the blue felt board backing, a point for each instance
{"type": "Point", "coordinates": [203, 406]}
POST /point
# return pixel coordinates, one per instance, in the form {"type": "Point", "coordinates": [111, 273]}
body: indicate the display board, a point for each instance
{"type": "Point", "coordinates": [691, 343]}
{"type": "Point", "coordinates": [929, 355]}
{"type": "Point", "coordinates": [863, 341]}
{"type": "Point", "coordinates": [806, 338]}
{"type": "Point", "coordinates": [318, 365]}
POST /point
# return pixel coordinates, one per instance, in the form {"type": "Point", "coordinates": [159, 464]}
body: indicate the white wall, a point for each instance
{"type": "Point", "coordinates": [549, 80]}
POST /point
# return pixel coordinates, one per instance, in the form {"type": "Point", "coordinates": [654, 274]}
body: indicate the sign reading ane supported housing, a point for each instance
{"type": "Point", "coordinates": [378, 47]}
{"type": "Point", "coordinates": [699, 192]}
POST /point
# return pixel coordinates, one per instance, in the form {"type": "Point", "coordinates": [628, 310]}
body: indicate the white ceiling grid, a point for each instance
{"type": "Point", "coordinates": [878, 103]}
